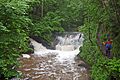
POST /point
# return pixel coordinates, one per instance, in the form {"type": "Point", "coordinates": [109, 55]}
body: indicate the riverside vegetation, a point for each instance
{"type": "Point", "coordinates": [20, 19]}
{"type": "Point", "coordinates": [101, 16]}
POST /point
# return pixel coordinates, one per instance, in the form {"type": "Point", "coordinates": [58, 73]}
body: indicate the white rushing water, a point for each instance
{"type": "Point", "coordinates": [58, 64]}
{"type": "Point", "coordinates": [66, 49]}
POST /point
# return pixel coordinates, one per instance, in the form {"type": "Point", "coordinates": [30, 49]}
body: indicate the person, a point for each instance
{"type": "Point", "coordinates": [108, 47]}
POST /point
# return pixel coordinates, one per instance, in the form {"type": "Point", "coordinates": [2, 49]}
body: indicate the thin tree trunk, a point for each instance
{"type": "Point", "coordinates": [90, 36]}
{"type": "Point", "coordinates": [42, 6]}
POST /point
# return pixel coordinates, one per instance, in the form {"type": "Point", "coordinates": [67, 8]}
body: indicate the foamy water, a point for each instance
{"type": "Point", "coordinates": [66, 49]}
{"type": "Point", "coordinates": [59, 64]}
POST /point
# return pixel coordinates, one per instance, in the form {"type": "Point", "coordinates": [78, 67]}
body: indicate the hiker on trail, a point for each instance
{"type": "Point", "coordinates": [108, 47]}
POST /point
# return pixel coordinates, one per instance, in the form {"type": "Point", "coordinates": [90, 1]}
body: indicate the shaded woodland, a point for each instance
{"type": "Point", "coordinates": [20, 19]}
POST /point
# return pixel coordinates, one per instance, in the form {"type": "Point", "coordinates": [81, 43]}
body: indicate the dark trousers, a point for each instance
{"type": "Point", "coordinates": [108, 53]}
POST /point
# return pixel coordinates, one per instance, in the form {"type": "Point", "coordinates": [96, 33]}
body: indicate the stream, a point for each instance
{"type": "Point", "coordinates": [58, 64]}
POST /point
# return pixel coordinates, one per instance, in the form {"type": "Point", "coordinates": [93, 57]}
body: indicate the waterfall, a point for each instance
{"type": "Point", "coordinates": [66, 49]}
{"type": "Point", "coordinates": [69, 42]}
{"type": "Point", "coordinates": [58, 64]}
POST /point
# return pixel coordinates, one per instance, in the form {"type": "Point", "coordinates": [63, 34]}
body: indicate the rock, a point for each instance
{"type": "Point", "coordinates": [20, 79]}
{"type": "Point", "coordinates": [15, 79]}
{"type": "Point", "coordinates": [25, 56]}
{"type": "Point", "coordinates": [27, 79]}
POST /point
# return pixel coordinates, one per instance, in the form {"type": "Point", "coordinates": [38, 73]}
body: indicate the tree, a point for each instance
{"type": "Point", "coordinates": [14, 37]}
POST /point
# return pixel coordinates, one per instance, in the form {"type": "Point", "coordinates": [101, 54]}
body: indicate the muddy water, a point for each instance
{"type": "Point", "coordinates": [48, 68]}
{"type": "Point", "coordinates": [59, 64]}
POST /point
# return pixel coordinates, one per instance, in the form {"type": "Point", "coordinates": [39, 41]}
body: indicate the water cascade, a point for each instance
{"type": "Point", "coordinates": [58, 64]}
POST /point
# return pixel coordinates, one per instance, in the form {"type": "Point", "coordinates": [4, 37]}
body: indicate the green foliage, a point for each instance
{"type": "Point", "coordinates": [20, 19]}
{"type": "Point", "coordinates": [13, 38]}
{"type": "Point", "coordinates": [58, 15]}
{"type": "Point", "coordinates": [49, 24]}
{"type": "Point", "coordinates": [72, 12]}
{"type": "Point", "coordinates": [98, 15]}
{"type": "Point", "coordinates": [91, 53]}
{"type": "Point", "coordinates": [113, 67]}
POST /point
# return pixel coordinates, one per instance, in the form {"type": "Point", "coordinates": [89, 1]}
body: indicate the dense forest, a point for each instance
{"type": "Point", "coordinates": [21, 19]}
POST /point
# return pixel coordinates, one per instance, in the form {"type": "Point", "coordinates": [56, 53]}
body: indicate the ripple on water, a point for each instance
{"type": "Point", "coordinates": [56, 64]}
{"type": "Point", "coordinates": [47, 68]}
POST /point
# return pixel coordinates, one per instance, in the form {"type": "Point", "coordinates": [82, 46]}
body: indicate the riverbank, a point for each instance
{"type": "Point", "coordinates": [93, 56]}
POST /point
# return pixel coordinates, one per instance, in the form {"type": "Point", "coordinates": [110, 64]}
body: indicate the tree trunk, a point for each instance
{"type": "Point", "coordinates": [42, 6]}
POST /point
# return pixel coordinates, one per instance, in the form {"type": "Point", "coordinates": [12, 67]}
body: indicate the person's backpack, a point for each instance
{"type": "Point", "coordinates": [108, 46]}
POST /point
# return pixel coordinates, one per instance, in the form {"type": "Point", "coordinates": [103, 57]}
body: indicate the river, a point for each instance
{"type": "Point", "coordinates": [58, 64]}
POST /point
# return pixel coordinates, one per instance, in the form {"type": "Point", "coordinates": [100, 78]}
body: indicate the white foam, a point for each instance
{"type": "Point", "coordinates": [37, 46]}
{"type": "Point", "coordinates": [60, 55]}
{"type": "Point", "coordinates": [66, 49]}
